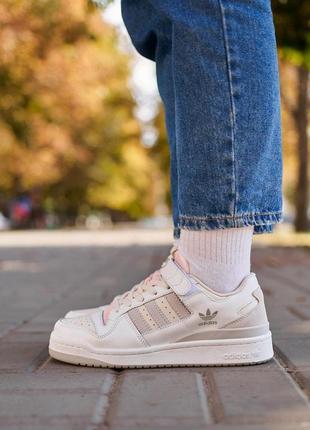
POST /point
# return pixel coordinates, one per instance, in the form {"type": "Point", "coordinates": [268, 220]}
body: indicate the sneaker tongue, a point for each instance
{"type": "Point", "coordinates": [107, 312]}
{"type": "Point", "coordinates": [181, 261]}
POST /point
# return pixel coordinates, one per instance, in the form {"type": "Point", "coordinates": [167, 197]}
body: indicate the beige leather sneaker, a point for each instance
{"type": "Point", "coordinates": [169, 319]}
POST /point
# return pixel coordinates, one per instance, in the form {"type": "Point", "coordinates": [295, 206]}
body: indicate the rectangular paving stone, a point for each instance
{"type": "Point", "coordinates": [296, 276]}
{"type": "Point", "coordinates": [5, 327]}
{"type": "Point", "coordinates": [258, 395]}
{"type": "Point", "coordinates": [19, 336]}
{"type": "Point", "coordinates": [47, 403]}
{"type": "Point", "coordinates": [42, 400]}
{"type": "Point", "coordinates": [283, 303]}
{"type": "Point", "coordinates": [18, 356]}
{"type": "Point", "coordinates": [280, 317]}
{"type": "Point", "coordinates": [158, 398]}
{"type": "Point", "coordinates": [301, 310]}
{"type": "Point", "coordinates": [280, 292]}
{"type": "Point", "coordinates": [81, 382]}
{"type": "Point", "coordinates": [45, 423]}
{"type": "Point", "coordinates": [151, 426]}
{"type": "Point", "coordinates": [302, 426]}
{"type": "Point", "coordinates": [295, 349]}
{"type": "Point", "coordinates": [302, 377]}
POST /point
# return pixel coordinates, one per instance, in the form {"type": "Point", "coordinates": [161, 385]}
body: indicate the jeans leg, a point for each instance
{"type": "Point", "coordinates": [227, 121]}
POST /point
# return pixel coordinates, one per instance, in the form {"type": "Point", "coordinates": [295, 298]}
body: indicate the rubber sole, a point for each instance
{"type": "Point", "coordinates": [223, 352]}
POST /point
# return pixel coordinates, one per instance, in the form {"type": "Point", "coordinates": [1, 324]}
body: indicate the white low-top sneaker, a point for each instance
{"type": "Point", "coordinates": [169, 319]}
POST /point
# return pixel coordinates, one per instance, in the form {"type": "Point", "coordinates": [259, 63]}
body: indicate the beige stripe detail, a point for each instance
{"type": "Point", "coordinates": [166, 309]}
{"type": "Point", "coordinates": [139, 321]}
{"type": "Point", "coordinates": [157, 314]}
{"type": "Point", "coordinates": [178, 307]}
{"type": "Point", "coordinates": [147, 316]}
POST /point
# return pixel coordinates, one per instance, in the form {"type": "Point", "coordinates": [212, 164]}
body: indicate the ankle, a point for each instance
{"type": "Point", "coordinates": [219, 258]}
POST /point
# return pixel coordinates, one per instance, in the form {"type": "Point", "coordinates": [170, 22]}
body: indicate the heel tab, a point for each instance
{"type": "Point", "coordinates": [250, 282]}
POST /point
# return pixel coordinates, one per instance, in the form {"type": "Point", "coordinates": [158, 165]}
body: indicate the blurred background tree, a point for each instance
{"type": "Point", "coordinates": [67, 127]}
{"type": "Point", "coordinates": [292, 18]}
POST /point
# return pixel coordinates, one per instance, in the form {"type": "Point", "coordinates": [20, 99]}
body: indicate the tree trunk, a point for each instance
{"type": "Point", "coordinates": [301, 118]}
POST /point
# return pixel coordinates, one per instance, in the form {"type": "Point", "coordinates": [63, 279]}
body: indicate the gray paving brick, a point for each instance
{"type": "Point", "coordinates": [48, 403]}
{"type": "Point", "coordinates": [257, 395]}
{"type": "Point", "coordinates": [46, 423]}
{"type": "Point", "coordinates": [24, 337]}
{"type": "Point", "coordinates": [81, 382]}
{"type": "Point", "coordinates": [302, 426]}
{"type": "Point", "coordinates": [44, 400]}
{"type": "Point", "coordinates": [147, 399]}
{"type": "Point", "coordinates": [5, 327]}
{"type": "Point", "coordinates": [295, 349]}
{"type": "Point", "coordinates": [17, 356]}
{"type": "Point", "coordinates": [302, 376]}
{"type": "Point", "coordinates": [297, 329]}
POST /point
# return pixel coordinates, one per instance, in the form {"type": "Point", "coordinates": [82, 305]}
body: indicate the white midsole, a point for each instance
{"type": "Point", "coordinates": [209, 352]}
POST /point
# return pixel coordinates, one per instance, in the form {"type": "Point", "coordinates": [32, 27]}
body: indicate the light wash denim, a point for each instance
{"type": "Point", "coordinates": [218, 77]}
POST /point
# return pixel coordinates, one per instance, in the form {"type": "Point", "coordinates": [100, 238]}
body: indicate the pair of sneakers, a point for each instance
{"type": "Point", "coordinates": [169, 319]}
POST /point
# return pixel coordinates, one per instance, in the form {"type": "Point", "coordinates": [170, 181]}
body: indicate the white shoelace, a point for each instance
{"type": "Point", "coordinates": [138, 292]}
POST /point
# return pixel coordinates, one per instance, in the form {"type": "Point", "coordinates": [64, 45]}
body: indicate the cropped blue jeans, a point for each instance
{"type": "Point", "coordinates": [217, 74]}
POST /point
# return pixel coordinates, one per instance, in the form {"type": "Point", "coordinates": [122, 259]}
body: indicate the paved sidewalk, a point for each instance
{"type": "Point", "coordinates": [52, 273]}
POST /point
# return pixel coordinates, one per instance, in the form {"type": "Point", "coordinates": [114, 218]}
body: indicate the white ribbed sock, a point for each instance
{"type": "Point", "coordinates": [219, 258]}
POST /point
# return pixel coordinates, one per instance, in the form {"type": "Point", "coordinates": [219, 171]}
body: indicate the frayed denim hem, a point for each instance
{"type": "Point", "coordinates": [263, 223]}
{"type": "Point", "coordinates": [176, 232]}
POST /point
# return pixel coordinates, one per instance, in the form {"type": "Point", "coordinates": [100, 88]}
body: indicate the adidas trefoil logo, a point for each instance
{"type": "Point", "coordinates": [208, 318]}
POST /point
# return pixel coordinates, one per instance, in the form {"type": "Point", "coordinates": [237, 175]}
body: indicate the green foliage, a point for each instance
{"type": "Point", "coordinates": [292, 19]}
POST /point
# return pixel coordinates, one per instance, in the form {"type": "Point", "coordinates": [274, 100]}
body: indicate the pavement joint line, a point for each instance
{"type": "Point", "coordinates": [114, 396]}
{"type": "Point", "coordinates": [203, 398]}
{"type": "Point", "coordinates": [283, 360]}
{"type": "Point", "coordinates": [297, 313]}
{"type": "Point", "coordinates": [292, 378]}
{"type": "Point", "coordinates": [8, 330]}
{"type": "Point", "coordinates": [39, 360]}
{"type": "Point", "coordinates": [215, 404]}
{"type": "Point", "coordinates": [44, 363]}
{"type": "Point", "coordinates": [103, 402]}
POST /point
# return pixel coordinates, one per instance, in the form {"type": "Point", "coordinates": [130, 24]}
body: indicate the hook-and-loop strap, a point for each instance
{"type": "Point", "coordinates": [175, 278]}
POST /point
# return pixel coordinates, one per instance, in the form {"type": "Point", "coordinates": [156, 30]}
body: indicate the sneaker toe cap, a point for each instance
{"type": "Point", "coordinates": [74, 331]}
